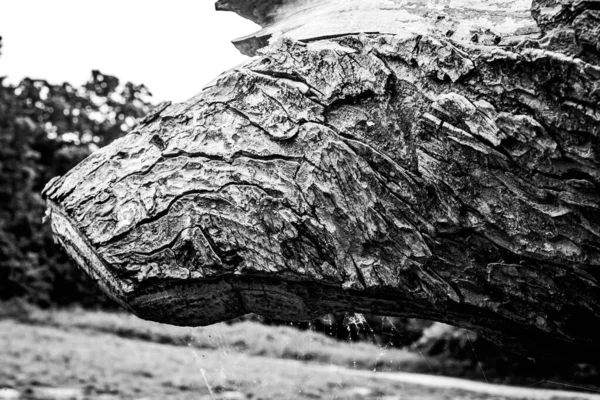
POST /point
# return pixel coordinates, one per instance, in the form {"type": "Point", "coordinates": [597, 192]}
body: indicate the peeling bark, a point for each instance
{"type": "Point", "coordinates": [409, 174]}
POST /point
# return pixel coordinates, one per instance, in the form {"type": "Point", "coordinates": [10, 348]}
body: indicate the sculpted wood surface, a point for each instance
{"type": "Point", "coordinates": [406, 174]}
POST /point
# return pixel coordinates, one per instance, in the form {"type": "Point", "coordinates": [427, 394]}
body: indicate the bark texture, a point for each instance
{"type": "Point", "coordinates": [480, 21]}
{"type": "Point", "coordinates": [401, 174]}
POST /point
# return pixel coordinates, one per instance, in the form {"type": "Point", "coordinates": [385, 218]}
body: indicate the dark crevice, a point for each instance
{"type": "Point", "coordinates": [291, 76]}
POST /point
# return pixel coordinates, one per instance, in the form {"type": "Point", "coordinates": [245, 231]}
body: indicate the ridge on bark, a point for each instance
{"type": "Point", "coordinates": [408, 173]}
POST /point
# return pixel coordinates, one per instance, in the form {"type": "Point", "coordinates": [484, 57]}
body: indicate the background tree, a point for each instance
{"type": "Point", "coordinates": [46, 129]}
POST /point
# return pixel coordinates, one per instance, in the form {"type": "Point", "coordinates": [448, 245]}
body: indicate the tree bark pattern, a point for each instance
{"type": "Point", "coordinates": [400, 174]}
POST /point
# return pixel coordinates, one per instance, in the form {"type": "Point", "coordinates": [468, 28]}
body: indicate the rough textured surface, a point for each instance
{"type": "Point", "coordinates": [478, 21]}
{"type": "Point", "coordinates": [394, 174]}
{"type": "Point", "coordinates": [570, 26]}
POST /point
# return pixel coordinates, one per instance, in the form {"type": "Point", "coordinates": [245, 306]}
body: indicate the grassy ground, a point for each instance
{"type": "Point", "coordinates": [246, 337]}
{"type": "Point", "coordinates": [121, 356]}
{"type": "Point", "coordinates": [105, 366]}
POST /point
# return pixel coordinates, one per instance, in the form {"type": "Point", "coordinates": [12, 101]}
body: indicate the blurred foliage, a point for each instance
{"type": "Point", "coordinates": [45, 130]}
{"type": "Point", "coordinates": [476, 353]}
{"type": "Point", "coordinates": [399, 332]}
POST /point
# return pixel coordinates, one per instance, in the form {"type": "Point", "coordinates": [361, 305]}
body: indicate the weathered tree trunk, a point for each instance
{"type": "Point", "coordinates": [430, 167]}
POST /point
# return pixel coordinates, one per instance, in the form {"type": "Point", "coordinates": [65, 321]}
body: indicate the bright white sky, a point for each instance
{"type": "Point", "coordinates": [173, 47]}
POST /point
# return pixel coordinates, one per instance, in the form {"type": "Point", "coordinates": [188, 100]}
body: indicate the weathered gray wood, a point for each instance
{"type": "Point", "coordinates": [401, 174]}
{"type": "Point", "coordinates": [481, 21]}
{"type": "Point", "coordinates": [571, 27]}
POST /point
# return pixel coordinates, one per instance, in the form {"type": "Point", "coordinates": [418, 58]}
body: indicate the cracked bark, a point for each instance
{"type": "Point", "coordinates": [453, 177]}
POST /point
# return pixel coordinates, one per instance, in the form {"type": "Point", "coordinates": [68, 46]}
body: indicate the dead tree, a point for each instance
{"type": "Point", "coordinates": [400, 158]}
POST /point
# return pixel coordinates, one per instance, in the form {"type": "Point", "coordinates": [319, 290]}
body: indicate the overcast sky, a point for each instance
{"type": "Point", "coordinates": [173, 47]}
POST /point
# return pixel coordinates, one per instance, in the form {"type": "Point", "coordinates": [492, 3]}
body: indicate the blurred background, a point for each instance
{"type": "Point", "coordinates": [74, 76]}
